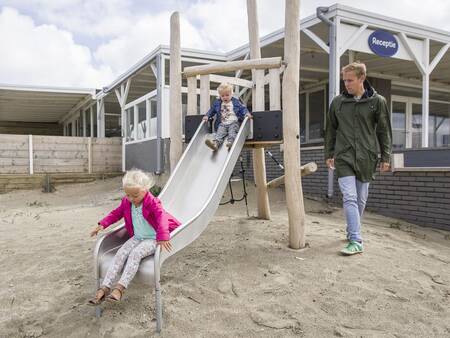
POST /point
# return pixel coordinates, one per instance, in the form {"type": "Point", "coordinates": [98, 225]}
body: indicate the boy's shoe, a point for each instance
{"type": "Point", "coordinates": [212, 144]}
{"type": "Point", "coordinates": [353, 247]}
{"type": "Point", "coordinates": [229, 144]}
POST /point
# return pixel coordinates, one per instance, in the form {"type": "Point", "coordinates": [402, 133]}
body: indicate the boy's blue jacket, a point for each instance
{"type": "Point", "coordinates": [239, 109]}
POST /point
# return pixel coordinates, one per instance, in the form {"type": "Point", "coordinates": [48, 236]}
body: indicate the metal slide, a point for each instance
{"type": "Point", "coordinates": [192, 195]}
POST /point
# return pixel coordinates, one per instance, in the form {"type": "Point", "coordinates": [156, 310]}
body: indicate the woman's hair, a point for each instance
{"type": "Point", "coordinates": [137, 178]}
{"type": "Point", "coordinates": [225, 87]}
{"type": "Point", "coordinates": [358, 67]}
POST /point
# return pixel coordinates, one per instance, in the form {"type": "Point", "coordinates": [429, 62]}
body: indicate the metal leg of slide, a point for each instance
{"type": "Point", "coordinates": [158, 309]}
{"type": "Point", "coordinates": [242, 172]}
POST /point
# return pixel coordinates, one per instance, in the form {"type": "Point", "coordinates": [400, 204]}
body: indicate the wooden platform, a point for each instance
{"type": "Point", "coordinates": [261, 144]}
{"type": "Point", "coordinates": [11, 182]}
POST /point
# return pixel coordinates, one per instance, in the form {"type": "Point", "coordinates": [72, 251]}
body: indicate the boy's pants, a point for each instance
{"type": "Point", "coordinates": [354, 195]}
{"type": "Point", "coordinates": [228, 131]}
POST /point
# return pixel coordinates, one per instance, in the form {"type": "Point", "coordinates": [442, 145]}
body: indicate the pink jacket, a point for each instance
{"type": "Point", "coordinates": [153, 212]}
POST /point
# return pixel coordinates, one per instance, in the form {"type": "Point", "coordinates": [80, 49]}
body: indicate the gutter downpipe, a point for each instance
{"type": "Point", "coordinates": [331, 81]}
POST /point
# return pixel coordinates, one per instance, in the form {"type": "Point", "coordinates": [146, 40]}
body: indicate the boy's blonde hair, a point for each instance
{"type": "Point", "coordinates": [136, 178]}
{"type": "Point", "coordinates": [358, 67]}
{"type": "Point", "coordinates": [225, 87]}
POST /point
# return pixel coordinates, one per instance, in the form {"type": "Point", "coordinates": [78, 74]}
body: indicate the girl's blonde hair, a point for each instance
{"type": "Point", "coordinates": [225, 87]}
{"type": "Point", "coordinates": [137, 178]}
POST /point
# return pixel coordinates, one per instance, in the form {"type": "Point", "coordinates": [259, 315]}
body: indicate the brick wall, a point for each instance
{"type": "Point", "coordinates": [418, 197]}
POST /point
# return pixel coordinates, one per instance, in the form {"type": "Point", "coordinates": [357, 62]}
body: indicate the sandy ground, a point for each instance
{"type": "Point", "coordinates": [238, 279]}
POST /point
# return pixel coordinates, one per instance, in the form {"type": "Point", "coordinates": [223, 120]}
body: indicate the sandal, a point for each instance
{"type": "Point", "coordinates": [112, 298]}
{"type": "Point", "coordinates": [100, 296]}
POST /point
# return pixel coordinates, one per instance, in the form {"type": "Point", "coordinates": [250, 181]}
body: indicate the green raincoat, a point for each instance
{"type": "Point", "coordinates": [356, 131]}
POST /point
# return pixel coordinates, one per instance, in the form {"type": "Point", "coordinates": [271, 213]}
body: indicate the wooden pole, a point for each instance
{"type": "Point", "coordinates": [274, 89]}
{"type": "Point", "coordinates": [259, 162]}
{"type": "Point", "coordinates": [30, 154]}
{"type": "Point", "coordinates": [230, 66]}
{"type": "Point", "coordinates": [291, 127]}
{"type": "Point", "coordinates": [176, 147]}
{"type": "Point", "coordinates": [305, 170]}
{"type": "Point", "coordinates": [205, 100]}
{"type": "Point", "coordinates": [89, 146]}
{"type": "Point", "coordinates": [192, 96]}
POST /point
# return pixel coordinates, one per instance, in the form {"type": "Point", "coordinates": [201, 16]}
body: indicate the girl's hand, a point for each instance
{"type": "Point", "coordinates": [165, 245]}
{"type": "Point", "coordinates": [96, 230]}
{"type": "Point", "coordinates": [205, 118]}
{"type": "Point", "coordinates": [250, 116]}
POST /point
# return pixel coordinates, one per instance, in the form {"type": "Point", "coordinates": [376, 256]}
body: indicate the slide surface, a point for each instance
{"type": "Point", "coordinates": [192, 195]}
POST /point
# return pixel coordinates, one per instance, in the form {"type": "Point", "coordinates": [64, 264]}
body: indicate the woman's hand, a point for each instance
{"type": "Point", "coordinates": [165, 245]}
{"type": "Point", "coordinates": [96, 230]}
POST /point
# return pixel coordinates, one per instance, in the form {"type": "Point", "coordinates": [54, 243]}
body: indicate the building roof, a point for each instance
{"type": "Point", "coordinates": [38, 103]}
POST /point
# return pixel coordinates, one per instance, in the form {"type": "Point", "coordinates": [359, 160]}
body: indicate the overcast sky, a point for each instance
{"type": "Point", "coordinates": [88, 43]}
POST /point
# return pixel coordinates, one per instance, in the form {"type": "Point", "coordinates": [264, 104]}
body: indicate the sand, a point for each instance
{"type": "Point", "coordinates": [239, 279]}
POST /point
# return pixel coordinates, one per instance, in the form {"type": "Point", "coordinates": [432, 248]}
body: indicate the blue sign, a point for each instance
{"type": "Point", "coordinates": [383, 43]}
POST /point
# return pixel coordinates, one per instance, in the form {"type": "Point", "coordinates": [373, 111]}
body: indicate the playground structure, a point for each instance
{"type": "Point", "coordinates": [200, 177]}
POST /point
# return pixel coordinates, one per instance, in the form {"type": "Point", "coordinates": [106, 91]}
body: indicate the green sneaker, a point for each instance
{"type": "Point", "coordinates": [353, 247]}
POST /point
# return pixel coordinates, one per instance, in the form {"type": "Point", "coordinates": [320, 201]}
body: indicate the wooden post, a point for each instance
{"type": "Point", "coordinates": [89, 155]}
{"type": "Point", "coordinates": [92, 121]}
{"type": "Point", "coordinates": [100, 117]}
{"type": "Point", "coordinates": [274, 89]}
{"type": "Point", "coordinates": [205, 100]}
{"type": "Point", "coordinates": [30, 154]}
{"type": "Point", "coordinates": [176, 147]}
{"type": "Point", "coordinates": [230, 66]}
{"type": "Point", "coordinates": [305, 170]}
{"type": "Point", "coordinates": [192, 96]}
{"type": "Point", "coordinates": [291, 128]}
{"type": "Point", "coordinates": [259, 163]}
{"type": "Point", "coordinates": [122, 96]}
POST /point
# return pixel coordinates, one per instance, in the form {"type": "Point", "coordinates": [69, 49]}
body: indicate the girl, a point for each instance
{"type": "Point", "coordinates": [148, 225]}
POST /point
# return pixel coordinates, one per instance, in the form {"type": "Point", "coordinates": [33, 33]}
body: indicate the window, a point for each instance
{"type": "Point", "coordinates": [416, 125]}
{"type": "Point", "coordinates": [312, 115]}
{"type": "Point", "coordinates": [439, 124]}
{"type": "Point", "coordinates": [316, 114]}
{"type": "Point", "coordinates": [142, 121]}
{"type": "Point", "coordinates": [407, 123]}
{"type": "Point", "coordinates": [112, 125]}
{"type": "Point", "coordinates": [129, 114]}
{"type": "Point", "coordinates": [88, 122]}
{"type": "Point", "coordinates": [303, 118]}
{"type": "Point", "coordinates": [398, 125]}
{"type": "Point", "coordinates": [94, 118]}
{"type": "Point", "coordinates": [153, 117]}
{"type": "Point", "coordinates": [80, 124]}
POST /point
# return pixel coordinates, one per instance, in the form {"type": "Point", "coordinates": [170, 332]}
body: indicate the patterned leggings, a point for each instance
{"type": "Point", "coordinates": [131, 252]}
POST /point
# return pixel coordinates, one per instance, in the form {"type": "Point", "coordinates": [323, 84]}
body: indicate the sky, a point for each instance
{"type": "Point", "coordinates": [89, 43]}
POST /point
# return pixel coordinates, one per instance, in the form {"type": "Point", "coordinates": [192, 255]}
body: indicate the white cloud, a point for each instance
{"type": "Point", "coordinates": [45, 41]}
{"type": "Point", "coordinates": [141, 37]}
{"type": "Point", "coordinates": [100, 18]}
{"type": "Point", "coordinates": [45, 55]}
